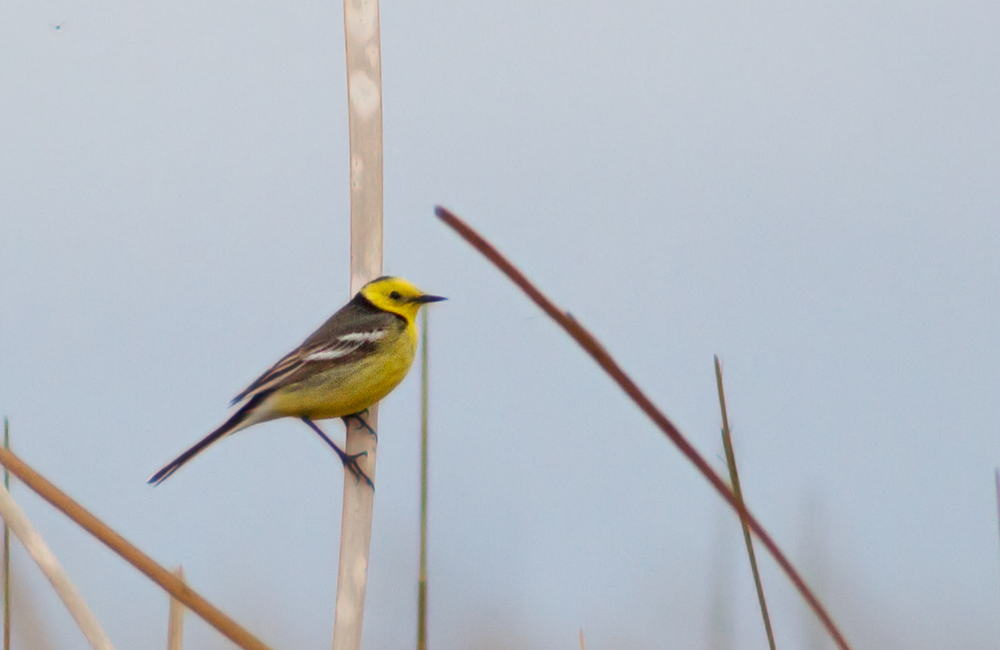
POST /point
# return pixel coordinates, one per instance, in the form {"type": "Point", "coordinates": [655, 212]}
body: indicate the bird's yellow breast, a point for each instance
{"type": "Point", "coordinates": [353, 387]}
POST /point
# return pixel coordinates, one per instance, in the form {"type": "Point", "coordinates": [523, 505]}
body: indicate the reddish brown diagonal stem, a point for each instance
{"type": "Point", "coordinates": [603, 359]}
{"type": "Point", "coordinates": [165, 579]}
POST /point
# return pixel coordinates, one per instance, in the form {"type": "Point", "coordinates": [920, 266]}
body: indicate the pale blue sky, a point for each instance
{"type": "Point", "coordinates": [809, 190]}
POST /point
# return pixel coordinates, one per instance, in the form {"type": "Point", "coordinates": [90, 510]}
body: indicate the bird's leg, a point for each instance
{"type": "Point", "coordinates": [350, 461]}
{"type": "Point", "coordinates": [364, 425]}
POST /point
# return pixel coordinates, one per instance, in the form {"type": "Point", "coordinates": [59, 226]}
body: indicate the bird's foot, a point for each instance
{"type": "Point", "coordinates": [350, 461]}
{"type": "Point", "coordinates": [359, 418]}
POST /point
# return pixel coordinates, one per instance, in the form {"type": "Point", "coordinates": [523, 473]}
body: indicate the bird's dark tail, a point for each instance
{"type": "Point", "coordinates": [231, 424]}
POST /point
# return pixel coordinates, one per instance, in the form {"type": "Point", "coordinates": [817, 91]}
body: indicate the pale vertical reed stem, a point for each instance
{"type": "Point", "coordinates": [47, 562]}
{"type": "Point", "coordinates": [84, 519]}
{"type": "Point", "coordinates": [727, 443]}
{"type": "Point", "coordinates": [175, 619]}
{"type": "Point", "coordinates": [364, 102]}
{"type": "Point", "coordinates": [422, 580]}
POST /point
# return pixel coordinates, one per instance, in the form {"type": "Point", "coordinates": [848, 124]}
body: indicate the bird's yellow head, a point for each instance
{"type": "Point", "coordinates": [398, 296]}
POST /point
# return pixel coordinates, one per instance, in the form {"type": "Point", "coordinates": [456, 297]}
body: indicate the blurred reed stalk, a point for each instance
{"type": "Point", "coordinates": [175, 619]}
{"type": "Point", "coordinates": [364, 111]}
{"type": "Point", "coordinates": [83, 518]}
{"type": "Point", "coordinates": [422, 579]}
{"type": "Point", "coordinates": [18, 522]}
{"type": "Point", "coordinates": [734, 477]}
{"type": "Point", "coordinates": [597, 352]}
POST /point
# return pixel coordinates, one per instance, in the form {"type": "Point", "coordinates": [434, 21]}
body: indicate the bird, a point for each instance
{"type": "Point", "coordinates": [351, 362]}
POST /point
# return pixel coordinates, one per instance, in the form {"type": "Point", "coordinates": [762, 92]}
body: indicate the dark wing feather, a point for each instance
{"type": "Point", "coordinates": [348, 335]}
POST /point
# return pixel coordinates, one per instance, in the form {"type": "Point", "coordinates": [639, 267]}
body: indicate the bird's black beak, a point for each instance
{"type": "Point", "coordinates": [425, 299]}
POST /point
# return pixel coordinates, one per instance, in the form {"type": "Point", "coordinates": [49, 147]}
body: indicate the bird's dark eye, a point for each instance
{"type": "Point", "coordinates": [395, 295]}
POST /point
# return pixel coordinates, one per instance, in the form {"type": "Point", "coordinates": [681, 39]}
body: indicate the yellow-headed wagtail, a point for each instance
{"type": "Point", "coordinates": [355, 359]}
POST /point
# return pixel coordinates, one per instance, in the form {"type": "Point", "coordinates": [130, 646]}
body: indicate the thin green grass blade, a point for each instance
{"type": "Point", "coordinates": [734, 477]}
{"type": "Point", "coordinates": [996, 478]}
{"type": "Point", "coordinates": [422, 580]}
{"type": "Point", "coordinates": [6, 547]}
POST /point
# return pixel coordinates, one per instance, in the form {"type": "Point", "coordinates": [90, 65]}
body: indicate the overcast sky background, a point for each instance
{"type": "Point", "coordinates": [808, 189]}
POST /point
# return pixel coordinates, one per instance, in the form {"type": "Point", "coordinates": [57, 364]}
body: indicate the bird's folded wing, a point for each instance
{"type": "Point", "coordinates": [340, 341]}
